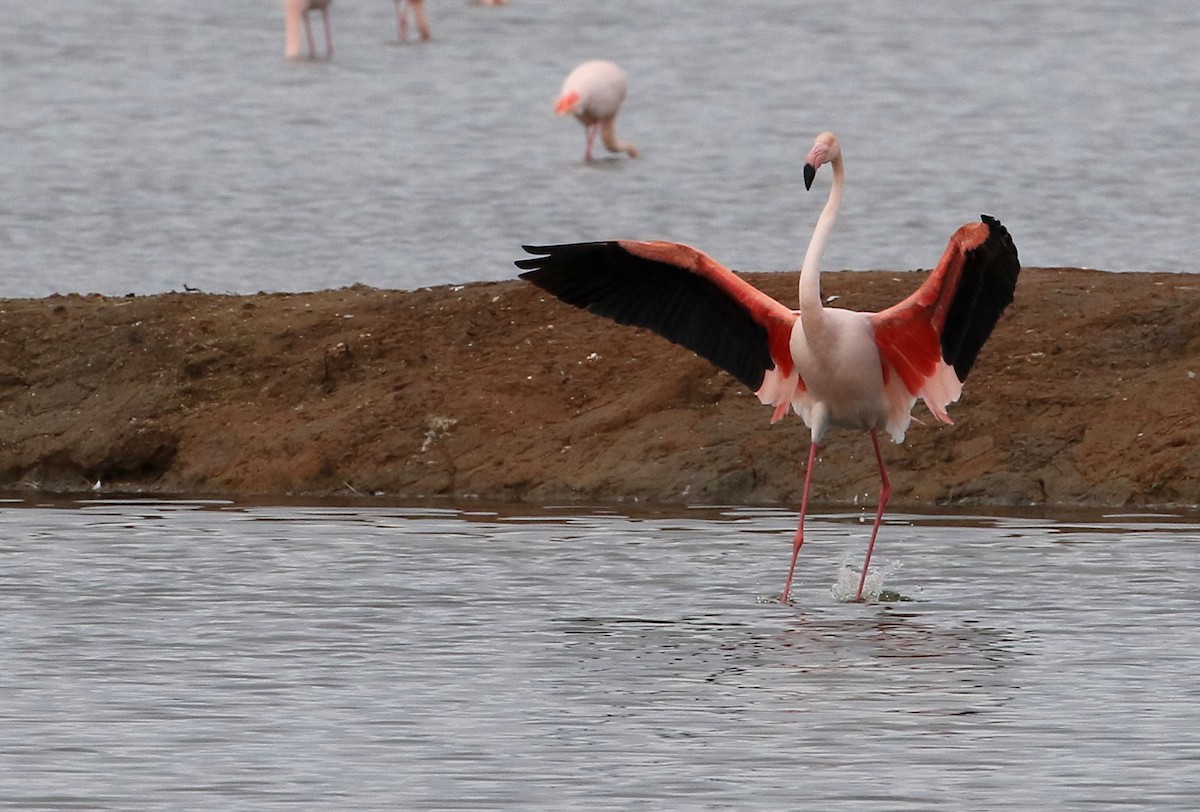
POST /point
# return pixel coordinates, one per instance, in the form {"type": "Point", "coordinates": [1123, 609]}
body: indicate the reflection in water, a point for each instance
{"type": "Point", "coordinates": [215, 655]}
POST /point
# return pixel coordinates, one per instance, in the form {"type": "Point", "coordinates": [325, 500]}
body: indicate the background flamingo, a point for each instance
{"type": "Point", "coordinates": [593, 93]}
{"type": "Point", "coordinates": [418, 10]}
{"type": "Point", "coordinates": [834, 367]}
{"type": "Point", "coordinates": [295, 13]}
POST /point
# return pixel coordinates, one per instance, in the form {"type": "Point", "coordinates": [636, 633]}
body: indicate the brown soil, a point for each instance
{"type": "Point", "coordinates": [1088, 393]}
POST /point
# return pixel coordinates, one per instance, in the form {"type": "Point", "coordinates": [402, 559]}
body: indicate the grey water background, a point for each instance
{"type": "Point", "coordinates": [149, 145]}
{"type": "Point", "coordinates": [222, 655]}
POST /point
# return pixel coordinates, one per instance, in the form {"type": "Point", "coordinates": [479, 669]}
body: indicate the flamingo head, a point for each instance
{"type": "Point", "coordinates": [567, 102]}
{"type": "Point", "coordinates": [825, 149]}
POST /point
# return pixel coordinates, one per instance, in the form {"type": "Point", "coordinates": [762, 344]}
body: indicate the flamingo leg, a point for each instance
{"type": "Point", "coordinates": [401, 20]}
{"type": "Point", "coordinates": [591, 136]}
{"type": "Point", "coordinates": [328, 34]}
{"type": "Point", "coordinates": [799, 539]}
{"type": "Point", "coordinates": [418, 7]}
{"type": "Point", "coordinates": [885, 491]}
{"type": "Point", "coordinates": [312, 52]}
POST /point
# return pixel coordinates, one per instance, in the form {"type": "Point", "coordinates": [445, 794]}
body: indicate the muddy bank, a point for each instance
{"type": "Point", "coordinates": [1088, 393]}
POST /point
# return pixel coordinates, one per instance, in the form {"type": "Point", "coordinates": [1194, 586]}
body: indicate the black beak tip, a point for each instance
{"type": "Point", "coordinates": [810, 172]}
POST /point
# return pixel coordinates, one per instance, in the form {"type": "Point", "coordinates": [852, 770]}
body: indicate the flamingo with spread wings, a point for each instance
{"type": "Point", "coordinates": [834, 367]}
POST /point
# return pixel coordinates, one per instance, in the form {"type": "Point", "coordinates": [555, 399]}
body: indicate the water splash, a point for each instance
{"type": "Point", "coordinates": [845, 588]}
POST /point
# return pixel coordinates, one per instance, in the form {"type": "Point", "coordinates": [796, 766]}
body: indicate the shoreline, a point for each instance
{"type": "Point", "coordinates": [1086, 395]}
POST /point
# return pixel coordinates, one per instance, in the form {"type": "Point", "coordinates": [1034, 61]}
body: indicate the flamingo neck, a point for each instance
{"type": "Point", "coordinates": [810, 272]}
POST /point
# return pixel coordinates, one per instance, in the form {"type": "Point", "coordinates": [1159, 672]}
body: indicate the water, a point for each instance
{"type": "Point", "coordinates": [212, 655]}
{"type": "Point", "coordinates": [150, 145]}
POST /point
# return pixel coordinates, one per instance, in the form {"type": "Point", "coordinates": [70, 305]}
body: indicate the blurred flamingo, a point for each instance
{"type": "Point", "coordinates": [834, 367]}
{"type": "Point", "coordinates": [296, 13]}
{"type": "Point", "coordinates": [593, 93]}
{"type": "Point", "coordinates": [418, 10]}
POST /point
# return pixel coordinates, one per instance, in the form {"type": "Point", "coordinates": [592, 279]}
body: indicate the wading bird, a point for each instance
{"type": "Point", "coordinates": [834, 367]}
{"type": "Point", "coordinates": [295, 14]}
{"type": "Point", "coordinates": [593, 93]}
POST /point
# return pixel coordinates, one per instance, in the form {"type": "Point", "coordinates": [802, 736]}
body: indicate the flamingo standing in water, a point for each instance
{"type": "Point", "coordinates": [834, 367]}
{"type": "Point", "coordinates": [593, 93]}
{"type": "Point", "coordinates": [418, 10]}
{"type": "Point", "coordinates": [296, 13]}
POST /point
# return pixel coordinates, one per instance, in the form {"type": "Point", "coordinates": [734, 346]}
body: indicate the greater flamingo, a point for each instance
{"type": "Point", "coordinates": [593, 93]}
{"type": "Point", "coordinates": [834, 367]}
{"type": "Point", "coordinates": [418, 10]}
{"type": "Point", "coordinates": [295, 14]}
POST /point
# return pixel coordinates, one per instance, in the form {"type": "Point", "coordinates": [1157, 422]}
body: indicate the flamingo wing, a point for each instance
{"type": "Point", "coordinates": [676, 291]}
{"type": "Point", "coordinates": [986, 284]}
{"type": "Point", "coordinates": [931, 338]}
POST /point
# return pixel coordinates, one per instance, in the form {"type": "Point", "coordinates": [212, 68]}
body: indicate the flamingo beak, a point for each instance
{"type": "Point", "coordinates": [812, 162]}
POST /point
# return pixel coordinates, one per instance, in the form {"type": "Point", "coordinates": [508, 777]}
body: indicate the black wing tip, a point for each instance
{"type": "Point", "coordinates": [540, 253]}
{"type": "Point", "coordinates": [566, 246]}
{"type": "Point", "coordinates": [998, 231]}
{"type": "Point", "coordinates": [986, 291]}
{"type": "Point", "coordinates": [994, 225]}
{"type": "Point", "coordinates": [560, 252]}
{"type": "Point", "coordinates": [607, 279]}
{"type": "Point", "coordinates": [546, 250]}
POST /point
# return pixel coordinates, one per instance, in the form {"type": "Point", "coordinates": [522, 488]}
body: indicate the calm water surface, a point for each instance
{"type": "Point", "coordinates": [207, 655]}
{"type": "Point", "coordinates": [153, 144]}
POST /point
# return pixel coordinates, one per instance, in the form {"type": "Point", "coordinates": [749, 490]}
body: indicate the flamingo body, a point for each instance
{"type": "Point", "coordinates": [593, 93]}
{"type": "Point", "coordinates": [832, 366]}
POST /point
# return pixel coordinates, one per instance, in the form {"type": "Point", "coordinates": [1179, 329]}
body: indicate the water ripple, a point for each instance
{"type": "Point", "coordinates": [209, 655]}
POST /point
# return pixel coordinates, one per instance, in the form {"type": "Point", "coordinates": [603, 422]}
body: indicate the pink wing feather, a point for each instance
{"type": "Point", "coordinates": [930, 339]}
